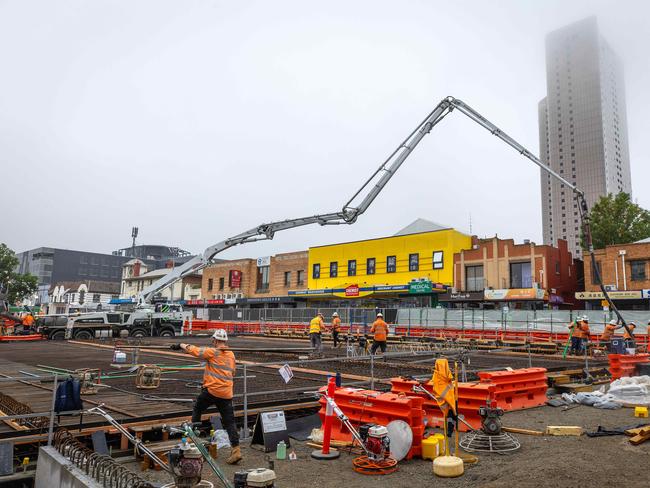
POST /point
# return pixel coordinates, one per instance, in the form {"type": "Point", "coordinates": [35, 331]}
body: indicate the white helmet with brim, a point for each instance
{"type": "Point", "coordinates": [220, 335]}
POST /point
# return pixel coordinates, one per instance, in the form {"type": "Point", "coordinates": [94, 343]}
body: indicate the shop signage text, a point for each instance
{"type": "Point", "coordinates": [352, 291]}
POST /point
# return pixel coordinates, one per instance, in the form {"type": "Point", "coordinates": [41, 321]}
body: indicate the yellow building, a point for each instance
{"type": "Point", "coordinates": [418, 260]}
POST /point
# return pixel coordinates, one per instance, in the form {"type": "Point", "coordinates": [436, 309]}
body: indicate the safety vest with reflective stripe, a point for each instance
{"type": "Point", "coordinates": [380, 329]}
{"type": "Point", "coordinates": [315, 325]}
{"type": "Point", "coordinates": [626, 334]}
{"type": "Point", "coordinates": [608, 332]}
{"type": "Point", "coordinates": [219, 370]}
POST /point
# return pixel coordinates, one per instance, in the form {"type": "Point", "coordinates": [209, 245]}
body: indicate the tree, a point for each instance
{"type": "Point", "coordinates": [16, 286]}
{"type": "Point", "coordinates": [615, 219]}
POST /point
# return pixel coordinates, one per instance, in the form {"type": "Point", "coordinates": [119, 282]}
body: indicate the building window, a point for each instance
{"type": "Point", "coordinates": [557, 267]}
{"type": "Point", "coordinates": [594, 279]}
{"type": "Point", "coordinates": [287, 278]}
{"type": "Point", "coordinates": [414, 262]}
{"type": "Point", "coordinates": [210, 284]}
{"type": "Point", "coordinates": [301, 277]}
{"type": "Point", "coordinates": [334, 269]}
{"type": "Point", "coordinates": [520, 276]}
{"type": "Point", "coordinates": [391, 264]}
{"type": "Point", "coordinates": [638, 270]}
{"type": "Point", "coordinates": [263, 278]}
{"type": "Point", "coordinates": [315, 273]}
{"type": "Point", "coordinates": [474, 278]}
{"type": "Point", "coordinates": [370, 266]}
{"type": "Point", "coordinates": [96, 298]}
{"type": "Point", "coordinates": [222, 283]}
{"type": "Point", "coordinates": [352, 267]}
{"type": "Point", "coordinates": [438, 260]}
{"type": "Point", "coordinates": [82, 297]}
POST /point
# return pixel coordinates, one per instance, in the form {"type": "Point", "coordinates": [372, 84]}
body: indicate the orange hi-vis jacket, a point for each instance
{"type": "Point", "coordinates": [608, 333]}
{"type": "Point", "coordinates": [28, 321]}
{"type": "Point", "coordinates": [380, 329]}
{"type": "Point", "coordinates": [626, 335]}
{"type": "Point", "coordinates": [219, 370]}
{"type": "Point", "coordinates": [577, 330]}
{"type": "Point", "coordinates": [336, 324]}
{"type": "Point", "coordinates": [584, 327]}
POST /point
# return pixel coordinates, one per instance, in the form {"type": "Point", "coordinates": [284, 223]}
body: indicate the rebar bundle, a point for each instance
{"type": "Point", "coordinates": [100, 467]}
{"type": "Point", "coordinates": [11, 406]}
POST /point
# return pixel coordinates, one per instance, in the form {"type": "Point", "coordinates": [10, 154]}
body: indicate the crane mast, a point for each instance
{"type": "Point", "coordinates": [364, 196]}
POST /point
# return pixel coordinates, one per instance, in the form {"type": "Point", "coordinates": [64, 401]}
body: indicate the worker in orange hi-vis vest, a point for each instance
{"type": "Point", "coordinates": [336, 329]}
{"type": "Point", "coordinates": [380, 331]}
{"type": "Point", "coordinates": [217, 386]}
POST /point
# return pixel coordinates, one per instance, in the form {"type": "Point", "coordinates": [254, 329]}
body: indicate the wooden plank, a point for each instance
{"type": "Point", "coordinates": [564, 430]}
{"type": "Point", "coordinates": [639, 430]}
{"type": "Point", "coordinates": [516, 430]}
{"type": "Point", "coordinates": [11, 423]}
{"type": "Point", "coordinates": [639, 438]}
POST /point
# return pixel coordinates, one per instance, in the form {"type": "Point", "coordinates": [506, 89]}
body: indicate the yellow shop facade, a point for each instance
{"type": "Point", "coordinates": [412, 266]}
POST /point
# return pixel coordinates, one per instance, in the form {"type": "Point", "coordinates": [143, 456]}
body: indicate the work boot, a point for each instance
{"type": "Point", "coordinates": [235, 455]}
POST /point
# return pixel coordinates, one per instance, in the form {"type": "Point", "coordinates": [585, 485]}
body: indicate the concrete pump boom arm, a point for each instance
{"type": "Point", "coordinates": [373, 186]}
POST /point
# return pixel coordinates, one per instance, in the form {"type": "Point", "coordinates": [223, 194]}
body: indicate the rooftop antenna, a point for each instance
{"type": "Point", "coordinates": [134, 234]}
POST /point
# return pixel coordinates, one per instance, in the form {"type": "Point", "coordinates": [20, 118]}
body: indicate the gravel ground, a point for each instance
{"type": "Point", "coordinates": [542, 461]}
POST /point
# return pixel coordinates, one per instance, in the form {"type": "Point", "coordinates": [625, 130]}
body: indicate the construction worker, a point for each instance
{"type": "Point", "coordinates": [629, 341]}
{"type": "Point", "coordinates": [380, 330]}
{"type": "Point", "coordinates": [217, 386]}
{"type": "Point", "coordinates": [608, 334]}
{"type": "Point", "coordinates": [576, 334]}
{"type": "Point", "coordinates": [336, 328]}
{"type": "Point", "coordinates": [586, 334]}
{"type": "Point", "coordinates": [28, 321]}
{"type": "Point", "coordinates": [315, 331]}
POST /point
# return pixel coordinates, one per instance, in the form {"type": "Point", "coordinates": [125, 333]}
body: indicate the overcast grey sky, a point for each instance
{"type": "Point", "coordinates": [196, 120]}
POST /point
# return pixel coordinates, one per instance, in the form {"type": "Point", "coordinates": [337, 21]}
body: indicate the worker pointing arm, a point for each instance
{"type": "Point", "coordinates": [217, 386]}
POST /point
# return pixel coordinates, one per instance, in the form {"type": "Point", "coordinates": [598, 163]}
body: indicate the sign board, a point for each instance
{"type": "Point", "coordinates": [286, 373]}
{"type": "Point", "coordinates": [516, 294]}
{"type": "Point", "coordinates": [418, 287]}
{"type": "Point", "coordinates": [270, 428]}
{"type": "Point", "coordinates": [234, 278]}
{"type": "Point", "coordinates": [264, 261]}
{"type": "Point", "coordinates": [614, 295]}
{"type": "Point", "coordinates": [352, 291]}
{"type": "Point", "coordinates": [645, 293]}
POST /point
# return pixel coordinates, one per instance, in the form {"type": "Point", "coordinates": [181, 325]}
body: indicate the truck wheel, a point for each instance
{"type": "Point", "coordinates": [139, 333]}
{"type": "Point", "coordinates": [167, 333]}
{"type": "Point", "coordinates": [57, 335]}
{"type": "Point", "coordinates": [83, 335]}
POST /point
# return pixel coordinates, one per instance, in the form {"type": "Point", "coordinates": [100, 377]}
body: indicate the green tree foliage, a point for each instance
{"type": "Point", "coordinates": [16, 286]}
{"type": "Point", "coordinates": [615, 219]}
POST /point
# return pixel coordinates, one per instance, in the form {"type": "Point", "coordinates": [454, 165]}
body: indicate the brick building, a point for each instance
{"type": "Point", "coordinates": [255, 282]}
{"type": "Point", "coordinates": [625, 272]}
{"type": "Point", "coordinates": [524, 275]}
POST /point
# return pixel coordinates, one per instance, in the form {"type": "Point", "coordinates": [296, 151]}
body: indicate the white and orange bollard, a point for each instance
{"type": "Point", "coordinates": [326, 452]}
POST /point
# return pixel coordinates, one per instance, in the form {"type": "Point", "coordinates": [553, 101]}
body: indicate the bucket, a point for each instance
{"type": "Point", "coordinates": [432, 446]}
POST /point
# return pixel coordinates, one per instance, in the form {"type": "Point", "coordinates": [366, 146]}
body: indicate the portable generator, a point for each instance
{"type": "Point", "coordinates": [375, 440]}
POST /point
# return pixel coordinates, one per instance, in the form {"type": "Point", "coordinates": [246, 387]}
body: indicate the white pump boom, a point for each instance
{"type": "Point", "coordinates": [373, 186]}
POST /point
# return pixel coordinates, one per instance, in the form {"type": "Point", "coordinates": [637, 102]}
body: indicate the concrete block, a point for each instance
{"type": "Point", "coordinates": [53, 469]}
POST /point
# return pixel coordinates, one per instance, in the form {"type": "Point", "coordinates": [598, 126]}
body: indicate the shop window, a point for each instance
{"type": "Point", "coordinates": [222, 283]}
{"type": "Point", "coordinates": [520, 276]}
{"type": "Point", "coordinates": [334, 269]}
{"type": "Point", "coordinates": [315, 272]}
{"type": "Point", "coordinates": [287, 278]}
{"type": "Point", "coordinates": [370, 266]}
{"type": "Point", "coordinates": [594, 279]}
{"type": "Point", "coordinates": [637, 270]}
{"type": "Point", "coordinates": [474, 278]}
{"type": "Point", "coordinates": [210, 284]}
{"type": "Point", "coordinates": [301, 277]}
{"type": "Point", "coordinates": [438, 260]}
{"type": "Point", "coordinates": [414, 262]}
{"type": "Point", "coordinates": [391, 264]}
{"type": "Point", "coordinates": [352, 267]}
{"type": "Point", "coordinates": [263, 278]}
{"type": "Point", "coordinates": [96, 298]}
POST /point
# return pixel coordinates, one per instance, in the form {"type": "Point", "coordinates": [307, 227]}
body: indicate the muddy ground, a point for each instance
{"type": "Point", "coordinates": [542, 461]}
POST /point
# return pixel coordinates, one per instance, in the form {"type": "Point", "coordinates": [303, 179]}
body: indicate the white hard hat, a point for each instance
{"type": "Point", "coordinates": [613, 322]}
{"type": "Point", "coordinates": [335, 314]}
{"type": "Point", "coordinates": [380, 314]}
{"type": "Point", "coordinates": [220, 335]}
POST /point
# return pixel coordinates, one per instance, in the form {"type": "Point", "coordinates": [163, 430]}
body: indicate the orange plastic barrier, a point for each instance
{"type": "Point", "coordinates": [30, 337]}
{"type": "Point", "coordinates": [625, 364]}
{"type": "Point", "coordinates": [368, 406]}
{"type": "Point", "coordinates": [519, 388]}
{"type": "Point", "coordinates": [471, 396]}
